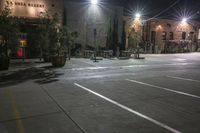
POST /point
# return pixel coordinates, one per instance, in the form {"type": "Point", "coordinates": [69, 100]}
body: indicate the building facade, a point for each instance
{"type": "Point", "coordinates": [32, 8]}
{"type": "Point", "coordinates": [104, 26]}
{"type": "Point", "coordinates": [164, 35]}
{"type": "Point", "coordinates": [30, 11]}
{"type": "Point", "coordinates": [98, 26]}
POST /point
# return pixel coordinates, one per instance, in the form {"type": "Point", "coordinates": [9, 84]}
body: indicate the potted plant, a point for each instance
{"type": "Point", "coordinates": [4, 58]}
{"type": "Point", "coordinates": [9, 37]}
{"type": "Point", "coordinates": [55, 39]}
{"type": "Point", "coordinates": [46, 30]}
{"type": "Point", "coordinates": [65, 40]}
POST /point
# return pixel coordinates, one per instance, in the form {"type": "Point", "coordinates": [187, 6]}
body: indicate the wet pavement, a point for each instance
{"type": "Point", "coordinates": [158, 94]}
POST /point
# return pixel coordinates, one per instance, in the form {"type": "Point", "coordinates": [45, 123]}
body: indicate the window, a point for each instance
{"type": "Point", "coordinates": [191, 36]}
{"type": "Point", "coordinates": [164, 35]}
{"type": "Point", "coordinates": [171, 36]}
{"type": "Point", "coordinates": [153, 36]}
{"type": "Point", "coordinates": [183, 35]}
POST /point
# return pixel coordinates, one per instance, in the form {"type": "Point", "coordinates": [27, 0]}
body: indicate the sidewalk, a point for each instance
{"type": "Point", "coordinates": [19, 64]}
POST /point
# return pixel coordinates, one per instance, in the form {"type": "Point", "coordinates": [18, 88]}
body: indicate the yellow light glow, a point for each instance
{"type": "Point", "coordinates": [159, 27]}
{"type": "Point", "coordinates": [22, 42]}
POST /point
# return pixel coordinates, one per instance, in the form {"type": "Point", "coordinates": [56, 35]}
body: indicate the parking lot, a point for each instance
{"type": "Point", "coordinates": [160, 94]}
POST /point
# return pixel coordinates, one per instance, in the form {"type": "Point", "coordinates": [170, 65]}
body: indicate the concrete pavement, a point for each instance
{"type": "Point", "coordinates": [156, 95]}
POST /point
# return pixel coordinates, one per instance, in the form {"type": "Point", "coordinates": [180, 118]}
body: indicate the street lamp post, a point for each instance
{"type": "Point", "coordinates": [95, 41]}
{"type": "Point", "coordinates": [138, 18]}
{"type": "Point", "coordinates": [95, 3]}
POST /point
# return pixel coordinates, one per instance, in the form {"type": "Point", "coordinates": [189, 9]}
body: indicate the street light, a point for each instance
{"type": "Point", "coordinates": [138, 26]}
{"type": "Point", "coordinates": [94, 2]}
{"type": "Point", "coordinates": [137, 15]}
{"type": "Point", "coordinates": [184, 20]}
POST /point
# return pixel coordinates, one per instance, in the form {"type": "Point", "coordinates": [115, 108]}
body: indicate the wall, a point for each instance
{"type": "Point", "coordinates": [32, 8]}
{"type": "Point", "coordinates": [165, 26]}
{"type": "Point", "coordinates": [84, 18]}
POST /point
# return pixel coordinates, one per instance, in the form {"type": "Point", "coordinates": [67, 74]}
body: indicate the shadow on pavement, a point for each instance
{"type": "Point", "coordinates": [39, 75]}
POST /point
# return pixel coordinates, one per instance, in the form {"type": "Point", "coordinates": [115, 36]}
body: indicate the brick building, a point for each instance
{"type": "Point", "coordinates": [164, 35]}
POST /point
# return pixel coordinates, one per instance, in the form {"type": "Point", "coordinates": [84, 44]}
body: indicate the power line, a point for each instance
{"type": "Point", "coordinates": [172, 5]}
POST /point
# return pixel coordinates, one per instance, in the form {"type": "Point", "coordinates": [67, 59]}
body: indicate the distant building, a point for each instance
{"type": "Point", "coordinates": [30, 11]}
{"type": "Point", "coordinates": [164, 35]}
{"type": "Point", "coordinates": [32, 8]}
{"type": "Point", "coordinates": [104, 27]}
{"type": "Point", "coordinates": [98, 26]}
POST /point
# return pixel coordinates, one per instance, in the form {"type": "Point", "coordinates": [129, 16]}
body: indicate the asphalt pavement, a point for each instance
{"type": "Point", "coordinates": [158, 94]}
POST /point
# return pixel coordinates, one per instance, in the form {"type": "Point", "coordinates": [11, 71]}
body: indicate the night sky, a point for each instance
{"type": "Point", "coordinates": [156, 8]}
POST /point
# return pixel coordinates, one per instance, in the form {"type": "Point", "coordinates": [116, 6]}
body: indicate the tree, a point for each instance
{"type": "Point", "coordinates": [134, 39]}
{"type": "Point", "coordinates": [65, 40]}
{"type": "Point", "coordinates": [55, 38]}
{"type": "Point", "coordinates": [9, 33]}
{"type": "Point", "coordinates": [48, 34]}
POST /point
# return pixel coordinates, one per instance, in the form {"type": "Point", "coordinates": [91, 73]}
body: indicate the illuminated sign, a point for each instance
{"type": "Point", "coordinates": [10, 3]}
{"type": "Point", "coordinates": [22, 42]}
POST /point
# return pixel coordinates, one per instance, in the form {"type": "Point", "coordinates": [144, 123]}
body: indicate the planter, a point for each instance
{"type": "Point", "coordinates": [46, 58]}
{"type": "Point", "coordinates": [4, 62]}
{"type": "Point", "coordinates": [58, 61]}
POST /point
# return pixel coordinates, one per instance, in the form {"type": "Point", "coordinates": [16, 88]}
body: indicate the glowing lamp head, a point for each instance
{"type": "Point", "coordinates": [94, 2]}
{"type": "Point", "coordinates": [184, 20]}
{"type": "Point", "coordinates": [137, 15]}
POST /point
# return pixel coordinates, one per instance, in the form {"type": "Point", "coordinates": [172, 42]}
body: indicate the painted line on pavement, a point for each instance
{"type": "Point", "coordinates": [186, 79]}
{"type": "Point", "coordinates": [130, 110]}
{"type": "Point", "coordinates": [163, 88]}
{"type": "Point", "coordinates": [16, 112]}
{"type": "Point", "coordinates": [128, 66]}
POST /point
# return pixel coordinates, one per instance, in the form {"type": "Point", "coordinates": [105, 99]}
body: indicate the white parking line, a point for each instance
{"type": "Point", "coordinates": [130, 110]}
{"type": "Point", "coordinates": [129, 66]}
{"type": "Point", "coordinates": [163, 88]}
{"type": "Point", "coordinates": [193, 80]}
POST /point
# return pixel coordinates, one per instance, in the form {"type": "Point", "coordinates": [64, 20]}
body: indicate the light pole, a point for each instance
{"type": "Point", "coordinates": [138, 20]}
{"type": "Point", "coordinates": [95, 41]}
{"type": "Point", "coordinates": [95, 3]}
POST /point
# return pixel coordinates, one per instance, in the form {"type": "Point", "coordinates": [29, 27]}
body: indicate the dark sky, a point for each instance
{"type": "Point", "coordinates": [158, 8]}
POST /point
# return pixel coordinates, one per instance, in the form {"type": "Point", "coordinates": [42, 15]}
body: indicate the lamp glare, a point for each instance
{"type": "Point", "coordinates": [184, 20]}
{"type": "Point", "coordinates": [94, 2]}
{"type": "Point", "coordinates": [137, 15]}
